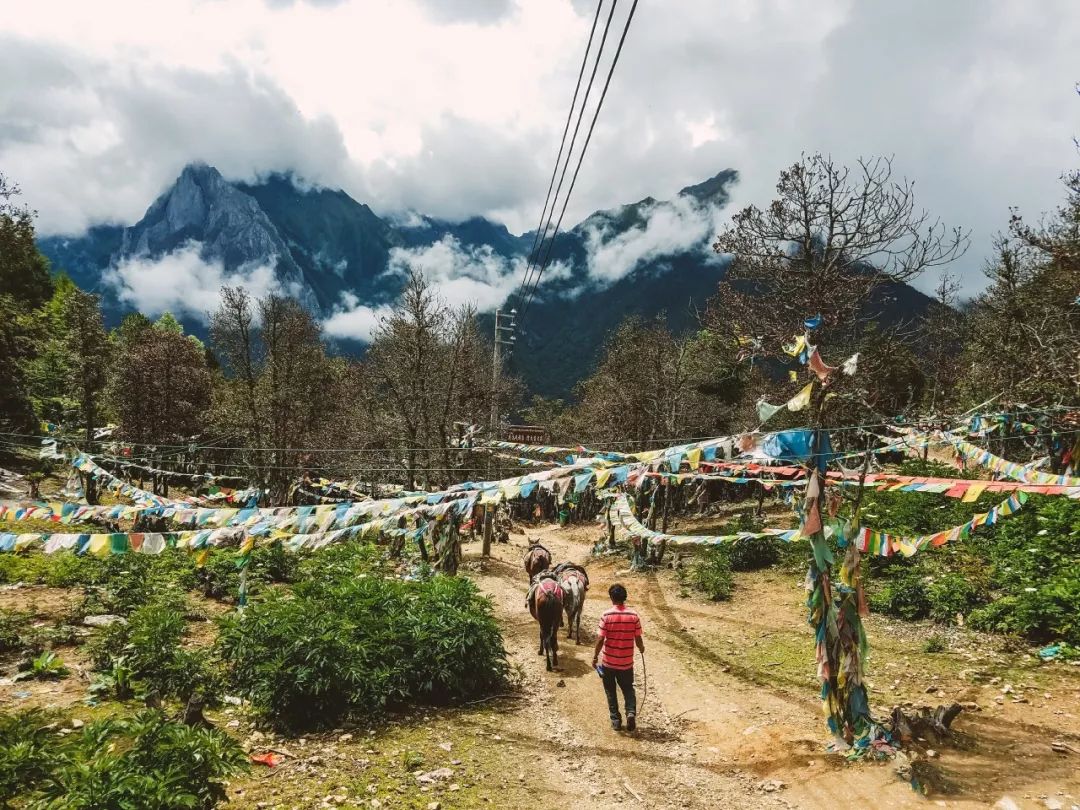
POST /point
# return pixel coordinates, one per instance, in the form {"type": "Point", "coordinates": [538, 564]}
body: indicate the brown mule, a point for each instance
{"type": "Point", "coordinates": [546, 606]}
{"type": "Point", "coordinates": [537, 559]}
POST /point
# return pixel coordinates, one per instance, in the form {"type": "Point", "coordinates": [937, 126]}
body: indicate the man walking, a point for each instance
{"type": "Point", "coordinates": [620, 630]}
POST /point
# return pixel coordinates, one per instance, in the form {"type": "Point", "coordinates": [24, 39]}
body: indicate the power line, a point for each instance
{"type": "Point", "coordinates": [537, 239]}
{"type": "Point", "coordinates": [581, 157]}
{"type": "Point", "coordinates": [570, 150]}
{"type": "Point", "coordinates": [34, 440]}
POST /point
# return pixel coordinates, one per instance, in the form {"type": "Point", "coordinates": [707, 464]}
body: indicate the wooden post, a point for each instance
{"type": "Point", "coordinates": [489, 529]}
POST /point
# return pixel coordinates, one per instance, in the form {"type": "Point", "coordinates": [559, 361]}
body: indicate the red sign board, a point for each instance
{"type": "Point", "coordinates": [526, 434]}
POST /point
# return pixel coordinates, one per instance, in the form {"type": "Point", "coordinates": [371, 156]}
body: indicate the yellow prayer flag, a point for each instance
{"type": "Point", "coordinates": [99, 545]}
{"type": "Point", "coordinates": [801, 399]}
{"type": "Point", "coordinates": [973, 493]}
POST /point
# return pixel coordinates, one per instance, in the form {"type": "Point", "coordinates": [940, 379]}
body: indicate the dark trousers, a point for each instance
{"type": "Point", "coordinates": [625, 680]}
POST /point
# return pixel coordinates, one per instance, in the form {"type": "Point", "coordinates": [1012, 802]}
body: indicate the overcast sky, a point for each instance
{"type": "Point", "coordinates": [455, 107]}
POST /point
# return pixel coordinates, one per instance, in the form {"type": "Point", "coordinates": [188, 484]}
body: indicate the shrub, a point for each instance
{"type": "Point", "coordinates": [220, 577]}
{"type": "Point", "coordinates": [11, 623]}
{"type": "Point", "coordinates": [934, 644]}
{"type": "Point", "coordinates": [904, 596]}
{"type": "Point", "coordinates": [61, 570]}
{"type": "Point", "coordinates": [1044, 613]}
{"type": "Point", "coordinates": [27, 752]}
{"type": "Point", "coordinates": [753, 553]}
{"type": "Point", "coordinates": [146, 651]}
{"type": "Point", "coordinates": [951, 594]}
{"type": "Point", "coordinates": [711, 574]}
{"type": "Point", "coordinates": [129, 581]}
{"type": "Point", "coordinates": [361, 644]}
{"type": "Point", "coordinates": [145, 762]}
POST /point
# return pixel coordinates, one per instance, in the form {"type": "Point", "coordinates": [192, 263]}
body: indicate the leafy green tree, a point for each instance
{"type": "Point", "coordinates": [48, 372]}
{"type": "Point", "coordinates": [24, 286]}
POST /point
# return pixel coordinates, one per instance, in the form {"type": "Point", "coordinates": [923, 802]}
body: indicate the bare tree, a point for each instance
{"type": "Point", "coordinates": [832, 238]}
{"type": "Point", "coordinates": [430, 368]}
{"type": "Point", "coordinates": [234, 337]}
{"type": "Point", "coordinates": [942, 331]}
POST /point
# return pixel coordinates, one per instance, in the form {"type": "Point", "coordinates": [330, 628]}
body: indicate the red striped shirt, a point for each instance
{"type": "Point", "coordinates": [619, 626]}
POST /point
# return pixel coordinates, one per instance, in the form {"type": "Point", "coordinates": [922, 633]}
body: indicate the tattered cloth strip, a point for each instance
{"type": "Point", "coordinates": [1018, 472]}
{"type": "Point", "coordinates": [87, 465]}
{"type": "Point", "coordinates": [968, 489]}
{"type": "Point", "coordinates": [244, 540]}
{"type": "Point", "coordinates": [797, 403]}
{"type": "Point", "coordinates": [254, 520]}
{"type": "Point", "coordinates": [883, 544]}
{"type": "Point", "coordinates": [626, 522]}
{"type": "Point", "coordinates": [215, 492]}
{"type": "Point", "coordinates": [148, 468]}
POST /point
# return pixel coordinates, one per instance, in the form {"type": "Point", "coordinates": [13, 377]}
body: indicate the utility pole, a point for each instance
{"type": "Point", "coordinates": [505, 322]}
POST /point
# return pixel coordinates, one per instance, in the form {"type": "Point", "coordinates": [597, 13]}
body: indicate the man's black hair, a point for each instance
{"type": "Point", "coordinates": [617, 593]}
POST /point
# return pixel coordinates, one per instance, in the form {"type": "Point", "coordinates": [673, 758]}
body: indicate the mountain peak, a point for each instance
{"type": "Point", "coordinates": [713, 190]}
{"type": "Point", "coordinates": [199, 172]}
{"type": "Point", "coordinates": [202, 206]}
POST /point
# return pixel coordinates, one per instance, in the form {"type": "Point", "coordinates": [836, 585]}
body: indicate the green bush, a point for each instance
{"type": "Point", "coordinates": [362, 644]}
{"type": "Point", "coordinates": [220, 577]}
{"type": "Point", "coordinates": [12, 626]}
{"type": "Point", "coordinates": [952, 593]}
{"type": "Point", "coordinates": [934, 644]}
{"type": "Point", "coordinates": [61, 570]}
{"type": "Point", "coordinates": [144, 762]}
{"type": "Point", "coordinates": [1045, 613]}
{"type": "Point", "coordinates": [146, 652]}
{"type": "Point", "coordinates": [1029, 562]}
{"type": "Point", "coordinates": [27, 752]}
{"type": "Point", "coordinates": [753, 553]}
{"type": "Point", "coordinates": [129, 581]}
{"type": "Point", "coordinates": [711, 574]}
{"type": "Point", "coordinates": [904, 595]}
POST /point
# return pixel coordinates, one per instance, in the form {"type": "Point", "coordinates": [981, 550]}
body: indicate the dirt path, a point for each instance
{"type": "Point", "coordinates": [715, 731]}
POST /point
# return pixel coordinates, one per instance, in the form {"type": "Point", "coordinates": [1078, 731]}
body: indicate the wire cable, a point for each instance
{"type": "Point", "coordinates": [570, 151]}
{"type": "Point", "coordinates": [581, 157]}
{"type": "Point", "coordinates": [558, 160]}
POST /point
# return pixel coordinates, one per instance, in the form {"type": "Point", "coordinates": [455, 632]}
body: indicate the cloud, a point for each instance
{"type": "Point", "coordinates": [456, 108]}
{"type": "Point", "coordinates": [183, 283]}
{"type": "Point", "coordinates": [459, 275]}
{"type": "Point", "coordinates": [91, 141]}
{"type": "Point", "coordinates": [468, 11]}
{"type": "Point", "coordinates": [352, 320]}
{"type": "Point", "coordinates": [669, 227]}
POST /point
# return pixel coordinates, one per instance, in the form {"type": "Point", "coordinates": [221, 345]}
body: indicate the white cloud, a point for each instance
{"type": "Point", "coordinates": [354, 321]}
{"type": "Point", "coordinates": [460, 275]}
{"type": "Point", "coordinates": [670, 227]}
{"type": "Point", "coordinates": [455, 107]}
{"type": "Point", "coordinates": [183, 283]}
